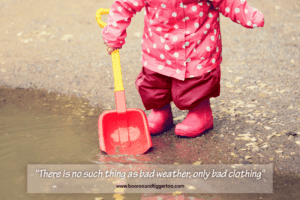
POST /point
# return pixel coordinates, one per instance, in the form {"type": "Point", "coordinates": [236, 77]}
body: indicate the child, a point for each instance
{"type": "Point", "coordinates": [181, 55]}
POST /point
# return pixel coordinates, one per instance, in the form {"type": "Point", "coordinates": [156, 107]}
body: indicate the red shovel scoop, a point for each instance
{"type": "Point", "coordinates": [122, 131]}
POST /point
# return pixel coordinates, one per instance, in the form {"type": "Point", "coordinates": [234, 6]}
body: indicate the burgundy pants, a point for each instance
{"type": "Point", "coordinates": [158, 90]}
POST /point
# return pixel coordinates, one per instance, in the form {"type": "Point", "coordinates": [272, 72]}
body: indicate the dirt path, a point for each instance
{"type": "Point", "coordinates": [57, 46]}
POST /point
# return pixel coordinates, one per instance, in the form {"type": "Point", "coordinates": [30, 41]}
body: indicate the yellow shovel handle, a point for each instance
{"type": "Point", "coordinates": [115, 56]}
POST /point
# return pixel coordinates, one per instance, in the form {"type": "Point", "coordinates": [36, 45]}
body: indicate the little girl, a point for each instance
{"type": "Point", "coordinates": [181, 55]}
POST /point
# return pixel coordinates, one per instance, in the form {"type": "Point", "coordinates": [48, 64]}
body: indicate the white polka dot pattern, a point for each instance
{"type": "Point", "coordinates": [181, 42]}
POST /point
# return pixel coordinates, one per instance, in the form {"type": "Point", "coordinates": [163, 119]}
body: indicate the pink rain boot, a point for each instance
{"type": "Point", "coordinates": [159, 119]}
{"type": "Point", "coordinates": [198, 120]}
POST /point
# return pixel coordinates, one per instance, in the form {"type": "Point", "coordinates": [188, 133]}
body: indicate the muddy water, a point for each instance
{"type": "Point", "coordinates": [41, 128]}
{"type": "Point", "coordinates": [37, 127]}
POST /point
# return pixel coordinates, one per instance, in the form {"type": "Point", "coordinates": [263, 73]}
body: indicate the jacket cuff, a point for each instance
{"type": "Point", "coordinates": [110, 40]}
{"type": "Point", "coordinates": [259, 20]}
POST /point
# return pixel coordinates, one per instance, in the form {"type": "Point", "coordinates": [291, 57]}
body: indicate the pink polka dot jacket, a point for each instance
{"type": "Point", "coordinates": [181, 38]}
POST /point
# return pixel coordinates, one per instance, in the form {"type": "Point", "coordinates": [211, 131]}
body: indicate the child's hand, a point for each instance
{"type": "Point", "coordinates": [110, 49]}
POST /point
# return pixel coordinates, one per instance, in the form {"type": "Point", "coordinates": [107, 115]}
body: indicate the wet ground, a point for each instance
{"type": "Point", "coordinates": [57, 46]}
{"type": "Point", "coordinates": [38, 127]}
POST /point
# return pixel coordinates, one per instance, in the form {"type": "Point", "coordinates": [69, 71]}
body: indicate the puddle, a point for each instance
{"type": "Point", "coordinates": [41, 128]}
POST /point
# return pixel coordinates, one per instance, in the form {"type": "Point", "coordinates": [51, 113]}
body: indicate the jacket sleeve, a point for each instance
{"type": "Point", "coordinates": [240, 12]}
{"type": "Point", "coordinates": [119, 18]}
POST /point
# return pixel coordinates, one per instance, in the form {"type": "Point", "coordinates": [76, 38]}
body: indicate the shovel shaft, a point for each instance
{"type": "Point", "coordinates": [120, 101]}
{"type": "Point", "coordinates": [115, 56]}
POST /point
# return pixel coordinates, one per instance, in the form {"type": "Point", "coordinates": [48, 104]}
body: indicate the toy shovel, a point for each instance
{"type": "Point", "coordinates": [121, 131]}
